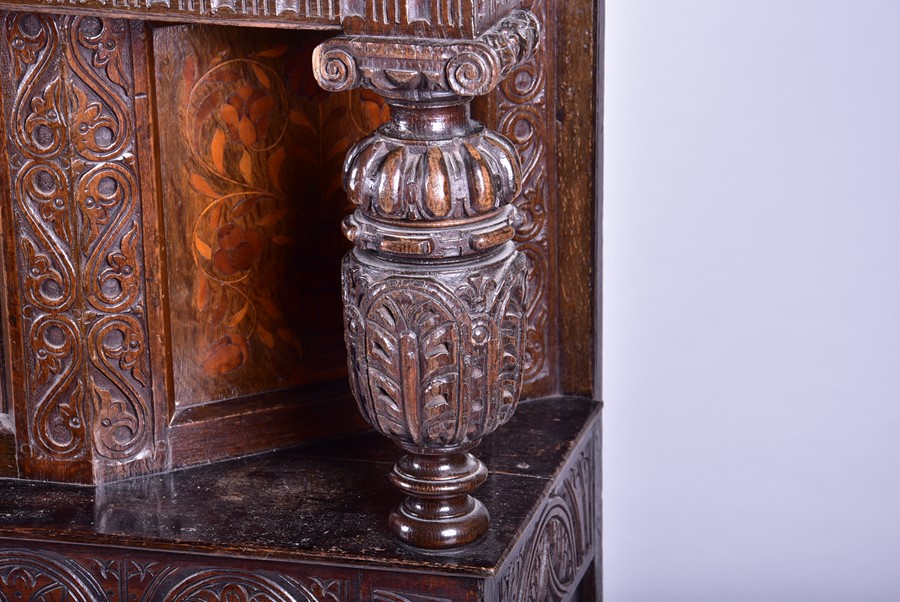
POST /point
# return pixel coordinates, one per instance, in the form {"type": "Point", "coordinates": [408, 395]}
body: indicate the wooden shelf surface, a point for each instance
{"type": "Point", "coordinates": [323, 503]}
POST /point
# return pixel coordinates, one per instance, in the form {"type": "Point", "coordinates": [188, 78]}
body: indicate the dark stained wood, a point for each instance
{"type": "Point", "coordinates": [319, 512]}
{"type": "Point", "coordinates": [434, 291]}
{"type": "Point", "coordinates": [522, 108]}
{"type": "Point", "coordinates": [322, 14]}
{"type": "Point", "coordinates": [578, 200]}
{"type": "Point", "coordinates": [76, 305]}
{"type": "Point", "coordinates": [169, 224]}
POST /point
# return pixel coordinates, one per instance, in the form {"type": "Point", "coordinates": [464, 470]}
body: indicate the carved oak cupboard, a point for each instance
{"type": "Point", "coordinates": [231, 227]}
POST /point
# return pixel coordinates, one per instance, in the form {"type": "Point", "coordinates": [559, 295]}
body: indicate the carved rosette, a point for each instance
{"type": "Point", "coordinates": [434, 291]}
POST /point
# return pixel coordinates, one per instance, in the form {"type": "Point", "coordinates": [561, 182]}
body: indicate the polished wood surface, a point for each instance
{"type": "Point", "coordinates": [318, 513]}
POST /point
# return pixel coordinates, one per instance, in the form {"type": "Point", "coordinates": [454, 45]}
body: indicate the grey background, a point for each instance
{"type": "Point", "coordinates": [751, 288]}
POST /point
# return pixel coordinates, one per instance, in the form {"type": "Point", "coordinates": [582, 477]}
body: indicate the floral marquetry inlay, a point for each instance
{"type": "Point", "coordinates": [254, 243]}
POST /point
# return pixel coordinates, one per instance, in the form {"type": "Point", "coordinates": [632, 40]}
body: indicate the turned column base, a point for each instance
{"type": "Point", "coordinates": [439, 513]}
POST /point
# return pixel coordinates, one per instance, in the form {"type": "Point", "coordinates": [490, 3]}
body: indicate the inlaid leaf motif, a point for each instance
{"type": "Point", "coordinates": [202, 186]}
{"type": "Point", "coordinates": [217, 150]}
{"type": "Point", "coordinates": [204, 249]}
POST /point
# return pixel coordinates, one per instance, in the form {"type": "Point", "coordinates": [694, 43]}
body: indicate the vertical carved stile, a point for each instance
{"type": "Point", "coordinates": [79, 323]}
{"type": "Point", "coordinates": [434, 291]}
{"type": "Point", "coordinates": [522, 109]}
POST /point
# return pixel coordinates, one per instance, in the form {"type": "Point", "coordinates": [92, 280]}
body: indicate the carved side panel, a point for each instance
{"type": "Point", "coordinates": [548, 568]}
{"type": "Point", "coordinates": [77, 309]}
{"type": "Point", "coordinates": [522, 109]}
{"type": "Point", "coordinates": [253, 154]}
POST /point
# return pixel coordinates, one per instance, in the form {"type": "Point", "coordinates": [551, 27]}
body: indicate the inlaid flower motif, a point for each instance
{"type": "Point", "coordinates": [247, 114]}
{"type": "Point", "coordinates": [225, 354]}
{"type": "Point", "coordinates": [238, 248]}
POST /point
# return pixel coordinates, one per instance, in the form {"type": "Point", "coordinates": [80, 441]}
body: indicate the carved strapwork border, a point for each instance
{"type": "Point", "coordinates": [76, 291]}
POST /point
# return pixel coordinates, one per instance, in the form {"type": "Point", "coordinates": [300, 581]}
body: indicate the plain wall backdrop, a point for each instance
{"type": "Point", "coordinates": [752, 300]}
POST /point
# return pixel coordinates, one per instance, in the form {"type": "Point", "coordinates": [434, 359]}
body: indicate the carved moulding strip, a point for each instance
{"type": "Point", "coordinates": [423, 18]}
{"type": "Point", "coordinates": [314, 14]}
{"type": "Point", "coordinates": [84, 397]}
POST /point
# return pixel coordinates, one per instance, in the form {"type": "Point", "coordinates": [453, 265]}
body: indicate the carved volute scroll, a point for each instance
{"type": "Point", "coordinates": [434, 290]}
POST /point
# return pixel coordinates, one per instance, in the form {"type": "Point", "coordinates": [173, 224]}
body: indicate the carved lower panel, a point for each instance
{"type": "Point", "coordinates": [548, 567]}
{"type": "Point", "coordinates": [435, 355]}
{"type": "Point", "coordinates": [384, 595]}
{"type": "Point", "coordinates": [42, 576]}
{"type": "Point", "coordinates": [81, 328]}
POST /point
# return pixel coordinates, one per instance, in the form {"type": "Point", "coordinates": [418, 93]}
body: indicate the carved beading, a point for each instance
{"type": "Point", "coordinates": [272, 12]}
{"type": "Point", "coordinates": [77, 217]}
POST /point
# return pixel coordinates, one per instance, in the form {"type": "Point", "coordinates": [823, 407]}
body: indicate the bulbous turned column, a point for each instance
{"type": "Point", "coordinates": [434, 290]}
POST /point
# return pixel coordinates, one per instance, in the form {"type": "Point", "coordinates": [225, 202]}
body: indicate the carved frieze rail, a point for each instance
{"type": "Point", "coordinates": [434, 291]}
{"type": "Point", "coordinates": [72, 224]}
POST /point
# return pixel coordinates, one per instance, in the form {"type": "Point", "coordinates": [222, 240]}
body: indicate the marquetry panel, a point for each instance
{"type": "Point", "coordinates": [251, 152]}
{"type": "Point", "coordinates": [73, 97]}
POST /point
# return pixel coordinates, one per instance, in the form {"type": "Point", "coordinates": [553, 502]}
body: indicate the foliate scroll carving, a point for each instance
{"type": "Point", "coordinates": [77, 216]}
{"type": "Point", "coordinates": [523, 111]}
{"type": "Point", "coordinates": [44, 576]}
{"type": "Point", "coordinates": [225, 585]}
{"type": "Point", "coordinates": [228, 586]}
{"type": "Point", "coordinates": [435, 357]}
{"type": "Point", "coordinates": [428, 67]}
{"type": "Point", "coordinates": [563, 541]}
